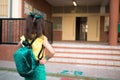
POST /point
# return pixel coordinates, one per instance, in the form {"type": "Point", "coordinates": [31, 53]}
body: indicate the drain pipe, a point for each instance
{"type": "Point", "coordinates": [10, 24]}
{"type": "Point", "coordinates": [10, 8]}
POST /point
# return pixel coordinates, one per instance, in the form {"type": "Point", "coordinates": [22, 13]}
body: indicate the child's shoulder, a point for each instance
{"type": "Point", "coordinates": [43, 37]}
{"type": "Point", "coordinates": [22, 37]}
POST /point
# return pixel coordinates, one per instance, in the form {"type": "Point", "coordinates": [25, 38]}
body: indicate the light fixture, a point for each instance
{"type": "Point", "coordinates": [74, 3]}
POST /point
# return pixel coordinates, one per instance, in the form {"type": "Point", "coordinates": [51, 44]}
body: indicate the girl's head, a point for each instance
{"type": "Point", "coordinates": [34, 25]}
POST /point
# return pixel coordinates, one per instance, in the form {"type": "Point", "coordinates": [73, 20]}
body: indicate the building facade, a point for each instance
{"type": "Point", "coordinates": [83, 23]}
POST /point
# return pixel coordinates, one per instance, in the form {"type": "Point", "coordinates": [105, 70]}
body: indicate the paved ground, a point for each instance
{"type": "Point", "coordinates": [57, 71]}
{"type": "Point", "coordinates": [8, 71]}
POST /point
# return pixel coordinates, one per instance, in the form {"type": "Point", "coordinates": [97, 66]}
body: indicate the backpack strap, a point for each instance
{"type": "Point", "coordinates": [33, 40]}
{"type": "Point", "coordinates": [41, 52]}
{"type": "Point", "coordinates": [27, 44]}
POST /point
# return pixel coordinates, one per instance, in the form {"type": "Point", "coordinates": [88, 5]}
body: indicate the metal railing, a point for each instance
{"type": "Point", "coordinates": [12, 28]}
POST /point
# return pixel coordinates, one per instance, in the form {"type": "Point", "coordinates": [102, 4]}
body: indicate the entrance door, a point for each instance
{"type": "Point", "coordinates": [81, 28]}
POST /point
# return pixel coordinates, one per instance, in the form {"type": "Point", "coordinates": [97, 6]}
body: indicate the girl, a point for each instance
{"type": "Point", "coordinates": [35, 28]}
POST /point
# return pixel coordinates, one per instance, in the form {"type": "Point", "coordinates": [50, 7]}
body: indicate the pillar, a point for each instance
{"type": "Point", "coordinates": [114, 16]}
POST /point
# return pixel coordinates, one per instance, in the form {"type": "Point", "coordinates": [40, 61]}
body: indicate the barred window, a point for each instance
{"type": "Point", "coordinates": [57, 23]}
{"type": "Point", "coordinates": [3, 8]}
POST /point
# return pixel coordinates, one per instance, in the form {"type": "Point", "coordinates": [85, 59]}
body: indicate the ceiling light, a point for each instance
{"type": "Point", "coordinates": [74, 3]}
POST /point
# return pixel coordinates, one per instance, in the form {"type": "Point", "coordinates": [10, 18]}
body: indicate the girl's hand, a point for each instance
{"type": "Point", "coordinates": [42, 61]}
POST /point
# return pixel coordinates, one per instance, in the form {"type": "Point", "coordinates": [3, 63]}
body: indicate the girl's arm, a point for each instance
{"type": "Point", "coordinates": [50, 49]}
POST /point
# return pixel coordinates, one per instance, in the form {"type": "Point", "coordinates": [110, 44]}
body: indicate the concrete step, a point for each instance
{"type": "Point", "coordinates": [86, 54]}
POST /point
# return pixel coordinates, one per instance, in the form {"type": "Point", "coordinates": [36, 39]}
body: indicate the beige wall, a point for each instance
{"type": "Point", "coordinates": [69, 26]}
{"type": "Point", "coordinates": [93, 28]}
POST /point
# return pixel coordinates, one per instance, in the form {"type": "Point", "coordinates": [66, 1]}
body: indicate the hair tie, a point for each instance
{"type": "Point", "coordinates": [35, 16]}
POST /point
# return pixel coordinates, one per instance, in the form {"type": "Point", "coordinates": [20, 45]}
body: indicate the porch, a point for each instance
{"type": "Point", "coordinates": [75, 60]}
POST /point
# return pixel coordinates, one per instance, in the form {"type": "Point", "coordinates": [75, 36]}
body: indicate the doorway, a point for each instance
{"type": "Point", "coordinates": [81, 28]}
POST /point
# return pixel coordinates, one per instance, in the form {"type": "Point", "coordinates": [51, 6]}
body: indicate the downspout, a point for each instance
{"type": "Point", "coordinates": [10, 24]}
{"type": "Point", "coordinates": [10, 8]}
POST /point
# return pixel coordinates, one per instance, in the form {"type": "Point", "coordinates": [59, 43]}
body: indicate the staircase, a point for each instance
{"type": "Point", "coordinates": [86, 54]}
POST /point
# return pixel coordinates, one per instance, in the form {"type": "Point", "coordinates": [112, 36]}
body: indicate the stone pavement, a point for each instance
{"type": "Point", "coordinates": [7, 71]}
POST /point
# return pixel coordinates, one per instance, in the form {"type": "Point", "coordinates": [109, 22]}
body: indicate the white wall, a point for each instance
{"type": "Point", "coordinates": [16, 8]}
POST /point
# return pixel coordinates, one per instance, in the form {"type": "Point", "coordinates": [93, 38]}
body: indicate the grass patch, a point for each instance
{"type": "Point", "coordinates": [8, 69]}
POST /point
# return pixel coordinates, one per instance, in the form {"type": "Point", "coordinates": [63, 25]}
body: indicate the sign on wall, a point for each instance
{"type": "Point", "coordinates": [29, 8]}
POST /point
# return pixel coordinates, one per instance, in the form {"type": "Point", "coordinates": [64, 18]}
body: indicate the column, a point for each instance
{"type": "Point", "coordinates": [114, 16]}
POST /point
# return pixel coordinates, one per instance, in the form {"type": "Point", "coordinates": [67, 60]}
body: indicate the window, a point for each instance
{"type": "Point", "coordinates": [57, 23]}
{"type": "Point", "coordinates": [4, 8]}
